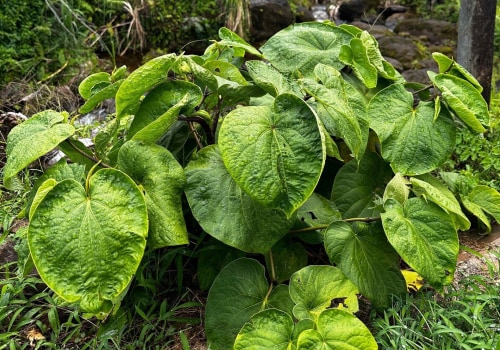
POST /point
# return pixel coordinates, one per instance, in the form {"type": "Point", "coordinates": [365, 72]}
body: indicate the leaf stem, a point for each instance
{"type": "Point", "coordinates": [322, 227]}
{"type": "Point", "coordinates": [88, 156]}
{"type": "Point", "coordinates": [204, 125]}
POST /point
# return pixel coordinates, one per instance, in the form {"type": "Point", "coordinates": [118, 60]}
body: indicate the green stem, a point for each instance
{"type": "Point", "coordinates": [322, 227]}
{"type": "Point", "coordinates": [88, 156]}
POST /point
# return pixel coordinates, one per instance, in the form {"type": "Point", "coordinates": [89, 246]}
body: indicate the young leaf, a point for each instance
{"type": "Point", "coordinates": [88, 86]}
{"type": "Point", "coordinates": [355, 55]}
{"type": "Point", "coordinates": [268, 329]}
{"type": "Point", "coordinates": [450, 66]}
{"type": "Point", "coordinates": [301, 46]}
{"type": "Point", "coordinates": [397, 189]}
{"type": "Point", "coordinates": [425, 237]}
{"type": "Point", "coordinates": [103, 94]}
{"type": "Point", "coordinates": [140, 81]}
{"type": "Point", "coordinates": [337, 329]}
{"type": "Point", "coordinates": [314, 287]}
{"type": "Point", "coordinates": [279, 159]}
{"type": "Point", "coordinates": [162, 190]}
{"type": "Point", "coordinates": [87, 243]}
{"type": "Point", "coordinates": [32, 139]}
{"type": "Point", "coordinates": [366, 258]}
{"type": "Point", "coordinates": [405, 131]}
{"type": "Point", "coordinates": [230, 38]}
{"type": "Point", "coordinates": [225, 211]}
{"type": "Point", "coordinates": [464, 99]}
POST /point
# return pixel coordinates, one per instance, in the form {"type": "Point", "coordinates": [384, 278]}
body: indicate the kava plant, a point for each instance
{"type": "Point", "coordinates": [317, 140]}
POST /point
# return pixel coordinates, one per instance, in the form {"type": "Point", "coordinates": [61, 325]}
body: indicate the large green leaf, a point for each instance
{"type": "Point", "coordinates": [270, 329]}
{"type": "Point", "coordinates": [225, 211]}
{"type": "Point", "coordinates": [356, 188]}
{"type": "Point", "coordinates": [425, 237]}
{"type": "Point", "coordinates": [477, 211]}
{"type": "Point", "coordinates": [487, 198]}
{"type": "Point", "coordinates": [318, 287]}
{"type": "Point", "coordinates": [301, 46]}
{"type": "Point", "coordinates": [271, 80]}
{"type": "Point", "coordinates": [238, 293]}
{"type": "Point", "coordinates": [432, 189]}
{"type": "Point", "coordinates": [160, 100]}
{"type": "Point", "coordinates": [464, 99]}
{"type": "Point", "coordinates": [411, 139]}
{"type": "Point", "coordinates": [337, 330]}
{"type": "Point", "coordinates": [87, 243]}
{"type": "Point", "coordinates": [341, 107]}
{"type": "Point", "coordinates": [32, 139]}
{"type": "Point", "coordinates": [362, 252]}
{"type": "Point", "coordinates": [162, 180]}
{"type": "Point", "coordinates": [140, 81]}
{"type": "Point", "coordinates": [277, 161]}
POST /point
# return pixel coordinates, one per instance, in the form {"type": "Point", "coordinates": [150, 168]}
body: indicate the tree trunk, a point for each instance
{"type": "Point", "coordinates": [476, 26]}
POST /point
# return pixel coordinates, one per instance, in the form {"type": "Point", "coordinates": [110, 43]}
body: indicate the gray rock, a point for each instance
{"type": "Point", "coordinates": [269, 17]}
{"type": "Point", "coordinates": [435, 31]}
{"type": "Point", "coordinates": [402, 49]}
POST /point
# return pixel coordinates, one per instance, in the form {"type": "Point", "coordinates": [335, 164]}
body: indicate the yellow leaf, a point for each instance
{"type": "Point", "coordinates": [413, 280]}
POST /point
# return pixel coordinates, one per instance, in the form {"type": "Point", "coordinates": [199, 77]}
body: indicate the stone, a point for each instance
{"type": "Point", "coordinates": [269, 17]}
{"type": "Point", "coordinates": [437, 32]}
{"type": "Point", "coordinates": [405, 50]}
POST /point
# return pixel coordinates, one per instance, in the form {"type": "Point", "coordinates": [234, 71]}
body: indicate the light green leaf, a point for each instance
{"type": "Point", "coordinates": [397, 189]}
{"type": "Point", "coordinates": [450, 66]}
{"type": "Point", "coordinates": [314, 288]}
{"type": "Point", "coordinates": [140, 81]}
{"type": "Point", "coordinates": [318, 211]}
{"type": "Point", "coordinates": [464, 99]}
{"type": "Point", "coordinates": [225, 211]}
{"type": "Point", "coordinates": [237, 294]}
{"type": "Point", "coordinates": [162, 180]}
{"type": "Point", "coordinates": [87, 243]}
{"type": "Point", "coordinates": [384, 68]}
{"type": "Point", "coordinates": [271, 80]}
{"type": "Point", "coordinates": [41, 191]}
{"type": "Point", "coordinates": [425, 237]}
{"type": "Point", "coordinates": [279, 159]}
{"type": "Point", "coordinates": [157, 113]}
{"type": "Point", "coordinates": [337, 330]}
{"type": "Point", "coordinates": [362, 252]}
{"type": "Point", "coordinates": [267, 330]}
{"type": "Point", "coordinates": [32, 139]}
{"type": "Point", "coordinates": [487, 198]}
{"type": "Point", "coordinates": [355, 189]}
{"type": "Point", "coordinates": [298, 48]}
{"type": "Point", "coordinates": [89, 85]}
{"type": "Point", "coordinates": [406, 132]}
{"type": "Point", "coordinates": [341, 108]}
{"type": "Point", "coordinates": [103, 94]}
{"type": "Point", "coordinates": [229, 73]}
{"type": "Point", "coordinates": [230, 38]}
{"type": "Point", "coordinates": [355, 55]}
{"type": "Point", "coordinates": [201, 74]}
{"type": "Point", "coordinates": [477, 211]}
{"type": "Point", "coordinates": [430, 188]}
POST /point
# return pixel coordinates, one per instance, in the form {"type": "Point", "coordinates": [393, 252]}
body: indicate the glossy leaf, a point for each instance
{"type": "Point", "coordinates": [318, 287]}
{"type": "Point", "coordinates": [365, 256]}
{"type": "Point", "coordinates": [162, 180]}
{"type": "Point", "coordinates": [298, 48]}
{"type": "Point", "coordinates": [464, 99]}
{"type": "Point", "coordinates": [355, 189]}
{"type": "Point", "coordinates": [98, 97]}
{"type": "Point", "coordinates": [140, 81]}
{"type": "Point", "coordinates": [268, 329]}
{"type": "Point", "coordinates": [88, 85]}
{"type": "Point", "coordinates": [225, 211]}
{"type": "Point", "coordinates": [279, 159]}
{"type": "Point", "coordinates": [341, 108]}
{"type": "Point", "coordinates": [337, 330]}
{"type": "Point", "coordinates": [87, 243]}
{"type": "Point", "coordinates": [431, 189]}
{"type": "Point", "coordinates": [160, 100]}
{"type": "Point", "coordinates": [405, 131]}
{"type": "Point", "coordinates": [32, 139]}
{"type": "Point", "coordinates": [425, 237]}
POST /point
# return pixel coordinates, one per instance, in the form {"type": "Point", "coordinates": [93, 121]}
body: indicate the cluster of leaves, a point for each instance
{"type": "Point", "coordinates": [319, 141]}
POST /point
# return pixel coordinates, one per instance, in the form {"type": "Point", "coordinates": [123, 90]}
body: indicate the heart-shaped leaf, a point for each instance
{"type": "Point", "coordinates": [337, 329]}
{"type": "Point", "coordinates": [362, 252]}
{"type": "Point", "coordinates": [301, 46]}
{"type": "Point", "coordinates": [225, 211]}
{"type": "Point", "coordinates": [405, 131]}
{"type": "Point", "coordinates": [87, 243]}
{"type": "Point", "coordinates": [278, 161]}
{"type": "Point", "coordinates": [32, 139]}
{"type": "Point", "coordinates": [424, 236]}
{"type": "Point", "coordinates": [162, 190]}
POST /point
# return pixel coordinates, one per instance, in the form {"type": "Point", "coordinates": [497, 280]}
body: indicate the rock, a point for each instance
{"type": "Point", "coordinates": [437, 32]}
{"type": "Point", "coordinates": [269, 17]}
{"type": "Point", "coordinates": [417, 76]}
{"type": "Point", "coordinates": [392, 21]}
{"type": "Point", "coordinates": [377, 30]}
{"type": "Point", "coordinates": [400, 48]}
{"type": "Point", "coordinates": [303, 14]}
